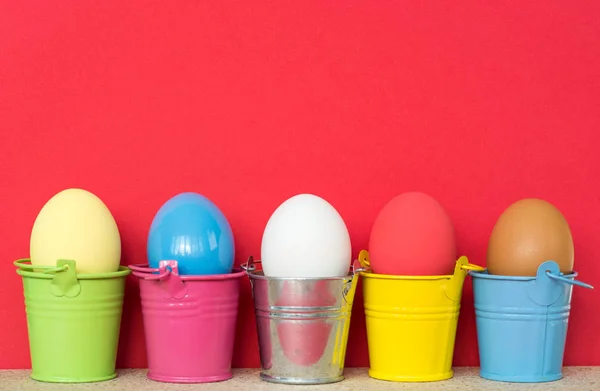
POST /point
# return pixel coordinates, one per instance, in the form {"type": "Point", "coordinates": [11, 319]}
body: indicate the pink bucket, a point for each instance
{"type": "Point", "coordinates": [189, 323]}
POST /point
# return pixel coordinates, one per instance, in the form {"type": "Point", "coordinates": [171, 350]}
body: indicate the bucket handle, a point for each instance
{"type": "Point", "coordinates": [568, 281]}
{"type": "Point", "coordinates": [250, 265]}
{"type": "Point", "coordinates": [147, 273]}
{"type": "Point", "coordinates": [545, 289]}
{"type": "Point", "coordinates": [20, 263]}
{"type": "Point", "coordinates": [363, 258]}
{"type": "Point", "coordinates": [64, 283]}
{"type": "Point", "coordinates": [454, 287]}
{"type": "Point", "coordinates": [350, 286]}
{"type": "Point", "coordinates": [166, 270]}
{"type": "Point", "coordinates": [347, 292]}
{"type": "Point", "coordinates": [472, 267]}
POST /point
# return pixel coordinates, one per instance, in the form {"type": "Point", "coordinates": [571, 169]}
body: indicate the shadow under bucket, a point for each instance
{"type": "Point", "coordinates": [302, 326]}
{"type": "Point", "coordinates": [522, 323]}
{"type": "Point", "coordinates": [73, 321]}
{"type": "Point", "coordinates": [411, 322]}
{"type": "Point", "coordinates": [189, 323]}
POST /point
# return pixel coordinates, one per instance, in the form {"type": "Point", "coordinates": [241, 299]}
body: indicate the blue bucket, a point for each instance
{"type": "Point", "coordinates": [522, 323]}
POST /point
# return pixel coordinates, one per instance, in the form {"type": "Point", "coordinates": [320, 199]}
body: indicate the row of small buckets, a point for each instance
{"type": "Point", "coordinates": [302, 323]}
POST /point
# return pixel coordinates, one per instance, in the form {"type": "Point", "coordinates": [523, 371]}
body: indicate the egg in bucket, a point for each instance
{"type": "Point", "coordinates": [412, 289]}
{"type": "Point", "coordinates": [304, 293]}
{"type": "Point", "coordinates": [523, 299]}
{"type": "Point", "coordinates": [74, 288]}
{"type": "Point", "coordinates": [189, 292]}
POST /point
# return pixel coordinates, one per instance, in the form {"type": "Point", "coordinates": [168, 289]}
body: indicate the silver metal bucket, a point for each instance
{"type": "Point", "coordinates": [302, 325]}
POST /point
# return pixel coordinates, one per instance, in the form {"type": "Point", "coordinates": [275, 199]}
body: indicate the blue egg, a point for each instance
{"type": "Point", "coordinates": [192, 230]}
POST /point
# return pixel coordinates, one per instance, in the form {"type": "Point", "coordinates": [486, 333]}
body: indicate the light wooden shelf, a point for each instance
{"type": "Point", "coordinates": [575, 378]}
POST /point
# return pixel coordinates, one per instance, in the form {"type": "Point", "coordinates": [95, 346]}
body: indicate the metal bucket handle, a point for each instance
{"type": "Point", "coordinates": [363, 259]}
{"type": "Point", "coordinates": [148, 273]}
{"type": "Point", "coordinates": [544, 289]}
{"type": "Point", "coordinates": [20, 263]}
{"type": "Point", "coordinates": [167, 271]}
{"type": "Point", "coordinates": [251, 263]}
{"type": "Point", "coordinates": [349, 287]}
{"type": "Point", "coordinates": [462, 263]}
{"type": "Point", "coordinates": [64, 283]}
{"type": "Point", "coordinates": [249, 267]}
{"type": "Point", "coordinates": [568, 281]}
{"type": "Point", "coordinates": [454, 287]}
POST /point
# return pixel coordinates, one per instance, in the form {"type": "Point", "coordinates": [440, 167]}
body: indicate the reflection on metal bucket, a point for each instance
{"type": "Point", "coordinates": [302, 326]}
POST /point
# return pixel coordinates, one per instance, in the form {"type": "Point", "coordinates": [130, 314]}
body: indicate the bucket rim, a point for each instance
{"type": "Point", "coordinates": [462, 264]}
{"type": "Point", "coordinates": [121, 272]}
{"type": "Point", "coordinates": [486, 276]}
{"type": "Point", "coordinates": [143, 271]}
{"type": "Point", "coordinates": [259, 275]}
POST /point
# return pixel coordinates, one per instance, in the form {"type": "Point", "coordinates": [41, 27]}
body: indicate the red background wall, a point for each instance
{"type": "Point", "coordinates": [251, 102]}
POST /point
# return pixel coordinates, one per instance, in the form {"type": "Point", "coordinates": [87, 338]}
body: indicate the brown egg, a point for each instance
{"type": "Point", "coordinates": [528, 233]}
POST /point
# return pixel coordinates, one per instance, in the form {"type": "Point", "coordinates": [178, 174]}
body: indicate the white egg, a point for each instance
{"type": "Point", "coordinates": [306, 237]}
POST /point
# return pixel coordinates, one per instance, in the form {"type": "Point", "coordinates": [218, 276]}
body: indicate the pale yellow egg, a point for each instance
{"type": "Point", "coordinates": [75, 224]}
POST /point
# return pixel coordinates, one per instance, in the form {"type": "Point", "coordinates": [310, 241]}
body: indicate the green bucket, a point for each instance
{"type": "Point", "coordinates": [73, 321]}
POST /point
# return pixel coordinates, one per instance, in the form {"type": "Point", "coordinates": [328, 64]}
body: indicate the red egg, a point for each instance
{"type": "Point", "coordinates": [304, 343]}
{"type": "Point", "coordinates": [412, 235]}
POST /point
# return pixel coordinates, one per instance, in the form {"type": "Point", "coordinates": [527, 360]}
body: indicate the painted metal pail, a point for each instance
{"type": "Point", "coordinates": [189, 323]}
{"type": "Point", "coordinates": [522, 323]}
{"type": "Point", "coordinates": [73, 321]}
{"type": "Point", "coordinates": [302, 325]}
{"type": "Point", "coordinates": [411, 322]}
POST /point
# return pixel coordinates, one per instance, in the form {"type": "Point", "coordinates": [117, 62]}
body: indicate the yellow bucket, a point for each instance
{"type": "Point", "coordinates": [411, 322]}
